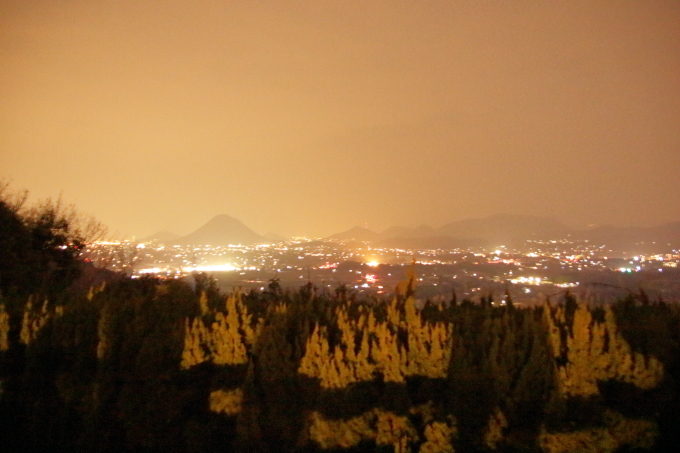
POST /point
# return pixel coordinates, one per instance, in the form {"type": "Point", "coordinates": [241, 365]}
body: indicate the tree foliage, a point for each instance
{"type": "Point", "coordinates": [149, 365]}
{"type": "Point", "coordinates": [40, 244]}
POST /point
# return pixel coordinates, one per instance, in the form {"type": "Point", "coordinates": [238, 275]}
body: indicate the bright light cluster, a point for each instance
{"type": "Point", "coordinates": [528, 281]}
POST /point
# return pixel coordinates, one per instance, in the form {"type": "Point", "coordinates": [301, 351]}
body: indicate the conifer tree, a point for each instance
{"type": "Point", "coordinates": [627, 365]}
{"type": "Point", "coordinates": [417, 353]}
{"type": "Point", "coordinates": [196, 337]}
{"type": "Point", "coordinates": [316, 354]}
{"type": "Point", "coordinates": [364, 369]}
{"type": "Point", "coordinates": [386, 353]}
{"type": "Point", "coordinates": [226, 342]}
{"type": "Point", "coordinates": [596, 352]}
{"type": "Point", "coordinates": [394, 314]}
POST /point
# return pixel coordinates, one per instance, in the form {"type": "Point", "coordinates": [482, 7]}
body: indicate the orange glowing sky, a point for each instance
{"type": "Point", "coordinates": [310, 117]}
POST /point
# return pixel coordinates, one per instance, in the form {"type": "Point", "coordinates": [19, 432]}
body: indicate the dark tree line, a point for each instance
{"type": "Point", "coordinates": [147, 365]}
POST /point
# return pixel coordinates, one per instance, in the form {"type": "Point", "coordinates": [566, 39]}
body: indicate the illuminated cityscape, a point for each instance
{"type": "Point", "coordinates": [523, 272]}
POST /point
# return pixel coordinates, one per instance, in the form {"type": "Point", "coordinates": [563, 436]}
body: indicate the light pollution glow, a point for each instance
{"type": "Point", "coordinates": [308, 118]}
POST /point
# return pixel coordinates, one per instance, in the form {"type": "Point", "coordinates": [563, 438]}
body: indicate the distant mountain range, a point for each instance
{"type": "Point", "coordinates": [507, 229]}
{"type": "Point", "coordinates": [501, 229]}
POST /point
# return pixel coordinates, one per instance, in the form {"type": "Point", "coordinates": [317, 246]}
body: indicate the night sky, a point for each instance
{"type": "Point", "coordinates": [311, 117]}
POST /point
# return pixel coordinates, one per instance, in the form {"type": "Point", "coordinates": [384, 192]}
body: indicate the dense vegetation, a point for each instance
{"type": "Point", "coordinates": [147, 365]}
{"type": "Point", "coordinates": [175, 366]}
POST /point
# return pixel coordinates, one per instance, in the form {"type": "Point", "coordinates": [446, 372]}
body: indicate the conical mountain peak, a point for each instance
{"type": "Point", "coordinates": [221, 230]}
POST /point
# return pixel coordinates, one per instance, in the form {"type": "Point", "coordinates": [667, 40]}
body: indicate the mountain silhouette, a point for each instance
{"type": "Point", "coordinates": [161, 236]}
{"type": "Point", "coordinates": [655, 239]}
{"type": "Point", "coordinates": [512, 229]}
{"type": "Point", "coordinates": [221, 230]}
{"type": "Point", "coordinates": [506, 228]}
{"type": "Point", "coordinates": [431, 242]}
{"type": "Point", "coordinates": [357, 234]}
{"type": "Point", "coordinates": [500, 228]}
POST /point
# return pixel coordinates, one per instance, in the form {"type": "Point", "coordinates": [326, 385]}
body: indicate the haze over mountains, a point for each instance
{"type": "Point", "coordinates": [500, 229]}
{"type": "Point", "coordinates": [221, 230]}
{"type": "Point", "coordinates": [161, 236]}
{"type": "Point", "coordinates": [513, 230]}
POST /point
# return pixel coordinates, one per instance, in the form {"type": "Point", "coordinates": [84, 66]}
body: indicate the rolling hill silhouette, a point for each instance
{"type": "Point", "coordinates": [496, 228]}
{"type": "Point", "coordinates": [357, 234]}
{"type": "Point", "coordinates": [505, 228]}
{"type": "Point", "coordinates": [512, 229]}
